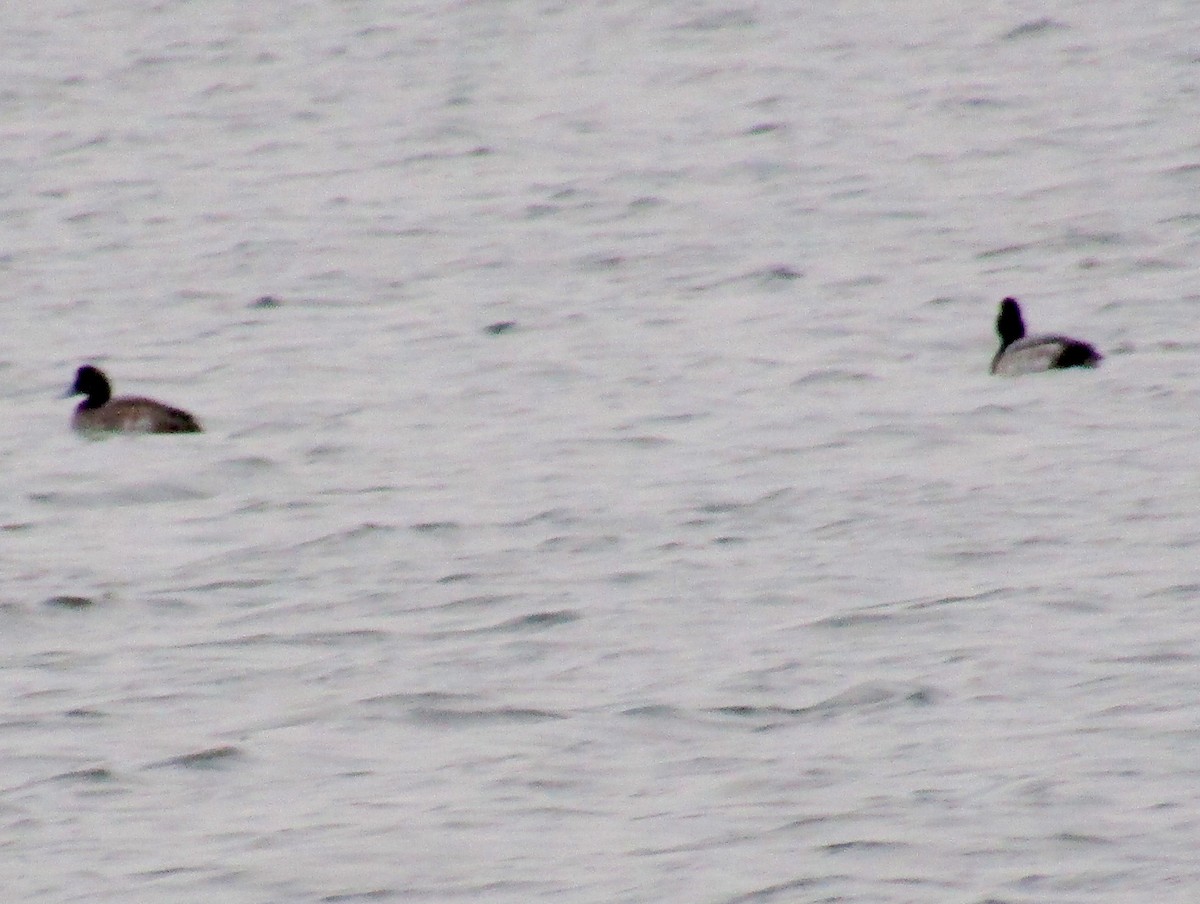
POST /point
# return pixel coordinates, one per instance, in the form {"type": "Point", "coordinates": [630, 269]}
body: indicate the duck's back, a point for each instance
{"type": "Point", "coordinates": [134, 414]}
{"type": "Point", "coordinates": [1035, 354]}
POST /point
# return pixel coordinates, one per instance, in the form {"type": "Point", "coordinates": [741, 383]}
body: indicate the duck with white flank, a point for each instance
{"type": "Point", "coordinates": [1021, 354]}
{"type": "Point", "coordinates": [99, 411]}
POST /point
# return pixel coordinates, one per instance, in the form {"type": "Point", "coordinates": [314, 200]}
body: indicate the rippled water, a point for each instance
{"type": "Point", "coordinates": [726, 574]}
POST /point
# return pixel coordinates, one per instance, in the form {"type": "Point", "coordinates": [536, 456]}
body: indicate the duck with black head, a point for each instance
{"type": "Point", "coordinates": [1021, 354]}
{"type": "Point", "coordinates": [101, 412]}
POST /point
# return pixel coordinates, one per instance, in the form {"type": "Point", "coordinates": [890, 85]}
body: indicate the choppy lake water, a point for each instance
{"type": "Point", "coordinates": [726, 575]}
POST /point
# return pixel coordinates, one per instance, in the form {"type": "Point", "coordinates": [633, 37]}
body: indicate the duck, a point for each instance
{"type": "Point", "coordinates": [100, 412]}
{"type": "Point", "coordinates": [1021, 354]}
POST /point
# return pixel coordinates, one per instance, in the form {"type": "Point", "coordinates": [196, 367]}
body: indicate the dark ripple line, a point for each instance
{"type": "Point", "coordinates": [211, 758]}
{"type": "Point", "coordinates": [308, 639]}
{"type": "Point", "coordinates": [536, 621]}
{"type": "Point", "coordinates": [93, 775]}
{"type": "Point", "coordinates": [866, 696]}
{"type": "Point", "coordinates": [473, 892]}
{"type": "Point", "coordinates": [656, 711]}
{"type": "Point", "coordinates": [512, 714]}
{"type": "Point", "coordinates": [1033, 27]}
{"type": "Point", "coordinates": [771, 892]}
{"type": "Point", "coordinates": [435, 527]}
{"type": "Point", "coordinates": [842, 847]}
{"type": "Point", "coordinates": [480, 601]}
{"type": "Point", "coordinates": [421, 697]}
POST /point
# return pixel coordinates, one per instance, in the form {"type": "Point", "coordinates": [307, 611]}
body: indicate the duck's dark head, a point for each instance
{"type": "Point", "coordinates": [91, 382]}
{"type": "Point", "coordinates": [1009, 324]}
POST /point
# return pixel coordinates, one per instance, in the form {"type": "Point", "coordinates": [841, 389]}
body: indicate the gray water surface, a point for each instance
{"type": "Point", "coordinates": [726, 575]}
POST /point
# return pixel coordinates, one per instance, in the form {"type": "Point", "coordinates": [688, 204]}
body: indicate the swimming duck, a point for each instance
{"type": "Point", "coordinates": [99, 411]}
{"type": "Point", "coordinates": [1021, 354]}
